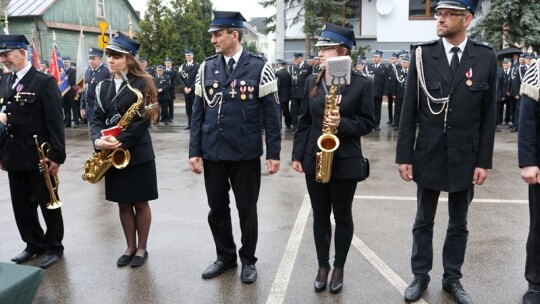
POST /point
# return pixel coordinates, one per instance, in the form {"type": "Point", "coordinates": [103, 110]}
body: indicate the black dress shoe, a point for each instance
{"type": "Point", "coordinates": [24, 256]}
{"type": "Point", "coordinates": [218, 268]}
{"type": "Point", "coordinates": [187, 128]}
{"type": "Point", "coordinates": [139, 260]}
{"type": "Point", "coordinates": [377, 128]}
{"type": "Point", "coordinates": [125, 259]}
{"type": "Point", "coordinates": [321, 279]}
{"type": "Point", "coordinates": [532, 296]}
{"type": "Point", "coordinates": [514, 130]}
{"type": "Point", "coordinates": [459, 294]}
{"type": "Point", "coordinates": [48, 260]}
{"type": "Point", "coordinates": [336, 282]}
{"type": "Point", "coordinates": [249, 274]}
{"type": "Point", "coordinates": [414, 292]}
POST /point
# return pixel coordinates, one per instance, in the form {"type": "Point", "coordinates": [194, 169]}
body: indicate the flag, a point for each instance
{"type": "Point", "coordinates": [82, 65]}
{"type": "Point", "coordinates": [56, 69]}
{"type": "Point", "coordinates": [35, 56]}
{"type": "Point", "coordinates": [6, 22]}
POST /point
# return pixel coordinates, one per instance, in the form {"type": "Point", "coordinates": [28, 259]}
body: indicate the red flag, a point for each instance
{"type": "Point", "coordinates": [53, 67]}
{"type": "Point", "coordinates": [35, 56]}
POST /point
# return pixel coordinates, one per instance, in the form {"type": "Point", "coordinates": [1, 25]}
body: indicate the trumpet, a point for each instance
{"type": "Point", "coordinates": [51, 181]}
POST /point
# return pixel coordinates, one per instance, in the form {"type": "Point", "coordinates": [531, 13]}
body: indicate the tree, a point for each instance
{"type": "Point", "coordinates": [192, 19]}
{"type": "Point", "coordinates": [158, 36]}
{"type": "Point", "coordinates": [510, 23]}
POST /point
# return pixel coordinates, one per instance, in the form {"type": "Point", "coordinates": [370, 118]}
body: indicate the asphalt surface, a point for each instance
{"type": "Point", "coordinates": [181, 246]}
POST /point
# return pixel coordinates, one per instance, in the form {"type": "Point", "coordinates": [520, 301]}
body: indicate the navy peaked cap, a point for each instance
{"type": "Point", "coordinates": [281, 61]}
{"type": "Point", "coordinates": [95, 52]}
{"type": "Point", "coordinates": [222, 20]}
{"type": "Point", "coordinates": [124, 44]}
{"type": "Point", "coordinates": [189, 52]}
{"type": "Point", "coordinates": [461, 5]}
{"type": "Point", "coordinates": [296, 55]}
{"type": "Point", "coordinates": [332, 34]}
{"type": "Point", "coordinates": [405, 59]}
{"type": "Point", "coordinates": [65, 58]}
{"type": "Point", "coordinates": [12, 42]}
{"type": "Point", "coordinates": [377, 53]}
{"type": "Point", "coordinates": [160, 67]}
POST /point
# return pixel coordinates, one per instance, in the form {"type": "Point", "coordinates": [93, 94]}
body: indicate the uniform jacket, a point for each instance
{"type": "Point", "coordinates": [503, 83]}
{"type": "Point", "coordinates": [299, 75]}
{"type": "Point", "coordinates": [174, 80]}
{"type": "Point", "coordinates": [135, 137]}
{"type": "Point", "coordinates": [163, 82]}
{"type": "Point", "coordinates": [38, 112]}
{"type": "Point", "coordinates": [517, 74]}
{"type": "Point", "coordinates": [232, 129]}
{"type": "Point", "coordinates": [380, 77]}
{"type": "Point", "coordinates": [529, 118]}
{"type": "Point", "coordinates": [444, 159]}
{"type": "Point", "coordinates": [356, 110]}
{"type": "Point", "coordinates": [399, 82]}
{"type": "Point", "coordinates": [284, 82]}
{"type": "Point", "coordinates": [188, 73]}
{"type": "Point", "coordinates": [72, 79]}
{"type": "Point", "coordinates": [150, 71]}
{"type": "Point", "coordinates": [91, 79]}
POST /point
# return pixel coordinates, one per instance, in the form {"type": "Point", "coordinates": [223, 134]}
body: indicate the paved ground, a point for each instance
{"type": "Point", "coordinates": [181, 246]}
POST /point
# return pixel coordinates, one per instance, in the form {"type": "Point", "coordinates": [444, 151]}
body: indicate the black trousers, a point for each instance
{"type": "Point", "coordinates": [397, 112]}
{"type": "Point", "coordinates": [336, 195]}
{"type": "Point", "coordinates": [189, 98]}
{"type": "Point", "coordinates": [515, 120]}
{"type": "Point", "coordinates": [455, 242]}
{"type": "Point", "coordinates": [532, 262]}
{"type": "Point", "coordinates": [295, 110]}
{"type": "Point", "coordinates": [391, 102]}
{"type": "Point", "coordinates": [377, 104]}
{"type": "Point", "coordinates": [244, 177]}
{"type": "Point", "coordinates": [171, 103]}
{"type": "Point", "coordinates": [28, 191]}
{"type": "Point", "coordinates": [71, 109]}
{"type": "Point", "coordinates": [286, 113]}
{"type": "Point", "coordinates": [164, 107]}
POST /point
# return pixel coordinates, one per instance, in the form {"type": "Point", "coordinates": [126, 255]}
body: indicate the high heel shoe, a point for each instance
{"type": "Point", "coordinates": [336, 282]}
{"type": "Point", "coordinates": [321, 279]}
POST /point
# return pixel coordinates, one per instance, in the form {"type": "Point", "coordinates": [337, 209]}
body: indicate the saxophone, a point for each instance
{"type": "Point", "coordinates": [327, 142]}
{"type": "Point", "coordinates": [99, 162]}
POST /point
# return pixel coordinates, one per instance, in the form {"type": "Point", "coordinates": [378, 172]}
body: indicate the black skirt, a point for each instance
{"type": "Point", "coordinates": [133, 184]}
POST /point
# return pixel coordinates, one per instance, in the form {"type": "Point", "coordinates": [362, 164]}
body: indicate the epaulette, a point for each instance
{"type": "Point", "coordinates": [211, 57]}
{"type": "Point", "coordinates": [484, 44]}
{"type": "Point", "coordinates": [414, 46]}
{"type": "Point", "coordinates": [359, 74]}
{"type": "Point", "coordinates": [258, 56]}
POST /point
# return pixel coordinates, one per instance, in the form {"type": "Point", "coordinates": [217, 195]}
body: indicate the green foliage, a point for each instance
{"type": "Point", "coordinates": [250, 47]}
{"type": "Point", "coordinates": [514, 22]}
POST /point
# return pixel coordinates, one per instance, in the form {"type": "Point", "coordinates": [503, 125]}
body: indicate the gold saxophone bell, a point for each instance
{"type": "Point", "coordinates": [51, 181]}
{"type": "Point", "coordinates": [98, 163]}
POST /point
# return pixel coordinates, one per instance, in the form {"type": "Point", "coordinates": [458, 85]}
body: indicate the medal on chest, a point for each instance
{"type": "Point", "coordinates": [233, 86]}
{"type": "Point", "coordinates": [250, 90]}
{"type": "Point", "coordinates": [469, 76]}
{"type": "Point", "coordinates": [18, 95]}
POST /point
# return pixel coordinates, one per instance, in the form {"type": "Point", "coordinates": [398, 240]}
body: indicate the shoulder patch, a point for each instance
{"type": "Point", "coordinates": [211, 57]}
{"type": "Point", "coordinates": [424, 43]}
{"type": "Point", "coordinates": [484, 44]}
{"type": "Point", "coordinates": [354, 72]}
{"type": "Point", "coordinates": [258, 56]}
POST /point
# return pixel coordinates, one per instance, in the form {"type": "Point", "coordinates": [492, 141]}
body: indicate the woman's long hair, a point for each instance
{"type": "Point", "coordinates": [150, 111]}
{"type": "Point", "coordinates": [342, 51]}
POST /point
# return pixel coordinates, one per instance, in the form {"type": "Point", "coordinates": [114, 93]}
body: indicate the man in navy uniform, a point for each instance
{"type": "Point", "coordinates": [71, 106]}
{"type": "Point", "coordinates": [453, 99]}
{"type": "Point", "coordinates": [96, 72]}
{"type": "Point", "coordinates": [236, 98]}
{"type": "Point", "coordinates": [34, 108]}
{"type": "Point", "coordinates": [400, 84]}
{"type": "Point", "coordinates": [169, 70]}
{"type": "Point", "coordinates": [163, 84]}
{"type": "Point", "coordinates": [504, 96]}
{"type": "Point", "coordinates": [188, 72]}
{"type": "Point", "coordinates": [284, 82]}
{"type": "Point", "coordinates": [147, 69]}
{"type": "Point", "coordinates": [391, 83]}
{"type": "Point", "coordinates": [299, 71]}
{"type": "Point", "coordinates": [518, 72]}
{"type": "Point", "coordinates": [379, 72]}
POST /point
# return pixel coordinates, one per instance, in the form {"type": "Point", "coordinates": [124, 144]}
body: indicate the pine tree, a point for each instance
{"type": "Point", "coordinates": [510, 22]}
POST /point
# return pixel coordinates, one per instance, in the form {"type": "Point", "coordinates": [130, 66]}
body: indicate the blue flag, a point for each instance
{"type": "Point", "coordinates": [57, 70]}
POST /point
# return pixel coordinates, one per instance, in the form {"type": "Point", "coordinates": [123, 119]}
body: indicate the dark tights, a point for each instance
{"type": "Point", "coordinates": [136, 219]}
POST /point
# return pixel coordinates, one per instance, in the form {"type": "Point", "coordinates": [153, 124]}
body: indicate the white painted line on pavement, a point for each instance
{"type": "Point", "coordinates": [442, 199]}
{"type": "Point", "coordinates": [281, 280]}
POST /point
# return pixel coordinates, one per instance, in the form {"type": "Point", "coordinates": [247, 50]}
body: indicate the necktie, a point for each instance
{"type": "Point", "coordinates": [12, 80]}
{"type": "Point", "coordinates": [454, 64]}
{"type": "Point", "coordinates": [230, 66]}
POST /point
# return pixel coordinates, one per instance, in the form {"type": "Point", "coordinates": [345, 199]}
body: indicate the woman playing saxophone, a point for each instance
{"type": "Point", "coordinates": [136, 184]}
{"type": "Point", "coordinates": [353, 119]}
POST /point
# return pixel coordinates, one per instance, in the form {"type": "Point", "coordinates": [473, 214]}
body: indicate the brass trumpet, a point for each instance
{"type": "Point", "coordinates": [51, 181]}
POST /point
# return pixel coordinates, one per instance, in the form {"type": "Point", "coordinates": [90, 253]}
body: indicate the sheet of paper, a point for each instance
{"type": "Point", "coordinates": [338, 70]}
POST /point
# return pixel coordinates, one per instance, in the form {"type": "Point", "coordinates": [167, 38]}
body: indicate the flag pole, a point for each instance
{"type": "Point", "coordinates": [130, 26]}
{"type": "Point", "coordinates": [6, 23]}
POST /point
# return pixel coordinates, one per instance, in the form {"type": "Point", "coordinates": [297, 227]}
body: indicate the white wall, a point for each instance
{"type": "Point", "coordinates": [369, 19]}
{"type": "Point", "coordinates": [396, 26]}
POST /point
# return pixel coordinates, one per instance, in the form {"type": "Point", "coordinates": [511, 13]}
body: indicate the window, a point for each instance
{"type": "Point", "coordinates": [100, 8]}
{"type": "Point", "coordinates": [422, 9]}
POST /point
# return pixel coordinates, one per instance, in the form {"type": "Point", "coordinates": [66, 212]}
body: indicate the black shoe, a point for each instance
{"type": "Point", "coordinates": [395, 128]}
{"type": "Point", "coordinates": [187, 128]}
{"type": "Point", "coordinates": [532, 296]}
{"type": "Point", "coordinates": [139, 260]}
{"type": "Point", "coordinates": [24, 256]}
{"type": "Point", "coordinates": [377, 128]}
{"type": "Point", "coordinates": [459, 294]}
{"type": "Point", "coordinates": [321, 279]}
{"type": "Point", "coordinates": [336, 282]}
{"type": "Point", "coordinates": [388, 122]}
{"type": "Point", "coordinates": [218, 268]}
{"type": "Point", "coordinates": [514, 130]}
{"type": "Point", "coordinates": [497, 129]}
{"type": "Point", "coordinates": [125, 259]}
{"type": "Point", "coordinates": [48, 260]}
{"type": "Point", "coordinates": [414, 292]}
{"type": "Point", "coordinates": [249, 274]}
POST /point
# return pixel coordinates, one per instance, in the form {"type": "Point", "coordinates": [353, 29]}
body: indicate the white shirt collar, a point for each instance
{"type": "Point", "coordinates": [235, 56]}
{"type": "Point", "coordinates": [448, 48]}
{"type": "Point", "coordinates": [22, 73]}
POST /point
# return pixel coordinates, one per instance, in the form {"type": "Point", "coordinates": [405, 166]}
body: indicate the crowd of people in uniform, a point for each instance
{"type": "Point", "coordinates": [446, 106]}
